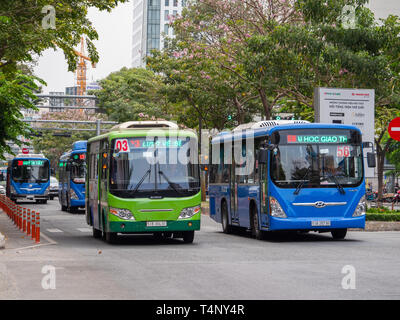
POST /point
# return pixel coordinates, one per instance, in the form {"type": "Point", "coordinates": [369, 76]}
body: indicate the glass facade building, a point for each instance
{"type": "Point", "coordinates": [151, 26]}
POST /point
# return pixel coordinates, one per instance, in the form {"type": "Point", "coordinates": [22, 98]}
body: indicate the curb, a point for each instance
{"type": "Point", "coordinates": [369, 225]}
{"type": "Point", "coordinates": [2, 241]}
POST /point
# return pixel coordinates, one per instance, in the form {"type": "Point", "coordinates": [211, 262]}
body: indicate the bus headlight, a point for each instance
{"type": "Point", "coordinates": [276, 209]}
{"type": "Point", "coordinates": [189, 212]}
{"type": "Point", "coordinates": [361, 208]}
{"type": "Point", "coordinates": [124, 214]}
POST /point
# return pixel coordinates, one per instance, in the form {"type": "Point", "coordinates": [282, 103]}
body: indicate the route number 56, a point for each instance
{"type": "Point", "coordinates": [343, 151]}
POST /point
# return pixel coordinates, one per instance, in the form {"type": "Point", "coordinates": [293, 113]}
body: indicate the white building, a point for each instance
{"type": "Point", "coordinates": [150, 24]}
{"type": "Point", "coordinates": [384, 8]}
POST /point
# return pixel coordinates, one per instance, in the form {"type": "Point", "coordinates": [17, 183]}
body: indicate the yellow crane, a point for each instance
{"type": "Point", "coordinates": [81, 69]}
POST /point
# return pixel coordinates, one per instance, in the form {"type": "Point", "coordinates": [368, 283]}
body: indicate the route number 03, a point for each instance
{"type": "Point", "coordinates": [122, 145]}
{"type": "Point", "coordinates": [343, 151]}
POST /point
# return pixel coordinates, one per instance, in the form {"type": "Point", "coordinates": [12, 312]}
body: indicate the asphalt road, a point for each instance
{"type": "Point", "coordinates": [215, 266]}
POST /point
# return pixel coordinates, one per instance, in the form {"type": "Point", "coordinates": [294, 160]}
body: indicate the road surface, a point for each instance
{"type": "Point", "coordinates": [216, 266]}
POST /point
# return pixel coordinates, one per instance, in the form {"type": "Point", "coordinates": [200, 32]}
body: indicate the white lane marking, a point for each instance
{"type": "Point", "coordinates": [42, 235]}
{"type": "Point", "coordinates": [84, 229]}
{"type": "Point", "coordinates": [395, 129]}
{"type": "Point", "coordinates": [54, 230]}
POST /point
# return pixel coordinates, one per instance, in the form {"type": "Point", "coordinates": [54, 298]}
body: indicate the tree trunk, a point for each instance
{"type": "Point", "coordinates": [240, 113]}
{"type": "Point", "coordinates": [265, 103]}
{"type": "Point", "coordinates": [381, 161]}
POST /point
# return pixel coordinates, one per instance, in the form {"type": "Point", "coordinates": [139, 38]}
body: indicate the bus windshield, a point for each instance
{"type": "Point", "coordinates": [319, 159]}
{"type": "Point", "coordinates": [30, 170]}
{"type": "Point", "coordinates": [160, 168]}
{"type": "Point", "coordinates": [78, 168]}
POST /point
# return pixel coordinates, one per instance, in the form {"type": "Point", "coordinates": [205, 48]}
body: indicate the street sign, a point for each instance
{"type": "Point", "coordinates": [25, 150]}
{"type": "Point", "coordinates": [394, 129]}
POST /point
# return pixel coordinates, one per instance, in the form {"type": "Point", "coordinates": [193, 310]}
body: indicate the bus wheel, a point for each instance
{"type": "Point", "coordinates": [255, 225]}
{"type": "Point", "coordinates": [188, 236]}
{"type": "Point", "coordinates": [226, 228]}
{"type": "Point", "coordinates": [97, 234]}
{"type": "Point", "coordinates": [339, 234]}
{"type": "Point", "coordinates": [111, 237]}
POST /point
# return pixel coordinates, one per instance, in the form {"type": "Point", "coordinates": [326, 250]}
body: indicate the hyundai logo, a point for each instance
{"type": "Point", "coordinates": [319, 204]}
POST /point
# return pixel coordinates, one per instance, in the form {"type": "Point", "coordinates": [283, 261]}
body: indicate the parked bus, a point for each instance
{"type": "Point", "coordinates": [72, 172]}
{"type": "Point", "coordinates": [28, 177]}
{"type": "Point", "coordinates": [289, 175]}
{"type": "Point", "coordinates": [143, 177]}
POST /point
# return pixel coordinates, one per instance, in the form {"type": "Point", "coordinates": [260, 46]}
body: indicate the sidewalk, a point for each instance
{"type": "Point", "coordinates": [15, 239]}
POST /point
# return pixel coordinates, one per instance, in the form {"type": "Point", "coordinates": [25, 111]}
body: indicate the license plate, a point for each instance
{"type": "Point", "coordinates": [156, 223]}
{"type": "Point", "coordinates": [321, 223]}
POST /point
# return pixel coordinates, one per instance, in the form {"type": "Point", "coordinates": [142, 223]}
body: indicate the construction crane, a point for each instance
{"type": "Point", "coordinates": [81, 69]}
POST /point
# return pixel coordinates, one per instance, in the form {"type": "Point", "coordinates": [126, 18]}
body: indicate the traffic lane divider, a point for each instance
{"type": "Point", "coordinates": [24, 219]}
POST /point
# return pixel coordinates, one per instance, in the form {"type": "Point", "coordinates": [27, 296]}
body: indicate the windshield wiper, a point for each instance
{"type": "Point", "coordinates": [169, 182]}
{"type": "Point", "coordinates": [338, 185]}
{"type": "Point", "coordinates": [301, 184]}
{"type": "Point", "coordinates": [141, 181]}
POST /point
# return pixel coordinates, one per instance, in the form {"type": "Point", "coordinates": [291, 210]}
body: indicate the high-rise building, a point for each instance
{"type": "Point", "coordinates": [150, 25]}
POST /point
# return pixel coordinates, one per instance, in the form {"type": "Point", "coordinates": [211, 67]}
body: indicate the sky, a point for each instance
{"type": "Point", "coordinates": [114, 47]}
{"type": "Point", "coordinates": [115, 43]}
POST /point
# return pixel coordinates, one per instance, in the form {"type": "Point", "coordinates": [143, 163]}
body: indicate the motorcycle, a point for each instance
{"type": "Point", "coordinates": [396, 197]}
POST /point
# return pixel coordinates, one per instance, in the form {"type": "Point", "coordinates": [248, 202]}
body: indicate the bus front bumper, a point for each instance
{"type": "Point", "coordinates": [316, 223]}
{"type": "Point", "coordinates": [141, 226]}
{"type": "Point", "coordinates": [30, 196]}
{"type": "Point", "coordinates": [78, 203]}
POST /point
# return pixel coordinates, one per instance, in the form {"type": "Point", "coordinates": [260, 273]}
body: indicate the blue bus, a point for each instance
{"type": "Point", "coordinates": [72, 172]}
{"type": "Point", "coordinates": [289, 175]}
{"type": "Point", "coordinates": [28, 178]}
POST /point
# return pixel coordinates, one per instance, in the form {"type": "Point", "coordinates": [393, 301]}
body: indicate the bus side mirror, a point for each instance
{"type": "Point", "coordinates": [52, 171]}
{"type": "Point", "coordinates": [262, 156]}
{"type": "Point", "coordinates": [371, 160]}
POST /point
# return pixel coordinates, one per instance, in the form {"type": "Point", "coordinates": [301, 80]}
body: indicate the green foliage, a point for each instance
{"type": "Point", "coordinates": [22, 38]}
{"type": "Point", "coordinates": [382, 214]}
{"type": "Point", "coordinates": [22, 35]}
{"type": "Point", "coordinates": [132, 94]}
{"type": "Point", "coordinates": [15, 93]}
{"type": "Point", "coordinates": [54, 146]}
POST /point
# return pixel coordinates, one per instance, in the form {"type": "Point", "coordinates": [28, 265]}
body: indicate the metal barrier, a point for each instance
{"type": "Point", "coordinates": [24, 219]}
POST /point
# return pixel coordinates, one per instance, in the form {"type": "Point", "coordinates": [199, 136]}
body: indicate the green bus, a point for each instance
{"type": "Point", "coordinates": [143, 177]}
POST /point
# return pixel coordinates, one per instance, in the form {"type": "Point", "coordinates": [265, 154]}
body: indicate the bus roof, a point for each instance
{"type": "Point", "coordinates": [79, 145]}
{"type": "Point", "coordinates": [266, 131]}
{"type": "Point", "coordinates": [144, 132]}
{"type": "Point", "coordinates": [30, 156]}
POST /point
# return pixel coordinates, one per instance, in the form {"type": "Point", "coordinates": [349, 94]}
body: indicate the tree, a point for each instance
{"type": "Point", "coordinates": [54, 146]}
{"type": "Point", "coordinates": [132, 94]}
{"type": "Point", "coordinates": [14, 95]}
{"type": "Point", "coordinates": [23, 37]}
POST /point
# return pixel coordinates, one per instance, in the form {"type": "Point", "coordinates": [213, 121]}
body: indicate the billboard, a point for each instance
{"type": "Point", "coordinates": [348, 106]}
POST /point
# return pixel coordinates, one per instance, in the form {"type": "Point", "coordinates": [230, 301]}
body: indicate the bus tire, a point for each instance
{"type": "Point", "coordinates": [97, 234]}
{"type": "Point", "coordinates": [255, 224]}
{"type": "Point", "coordinates": [226, 228]}
{"type": "Point", "coordinates": [188, 236]}
{"type": "Point", "coordinates": [339, 234]}
{"type": "Point", "coordinates": [111, 237]}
